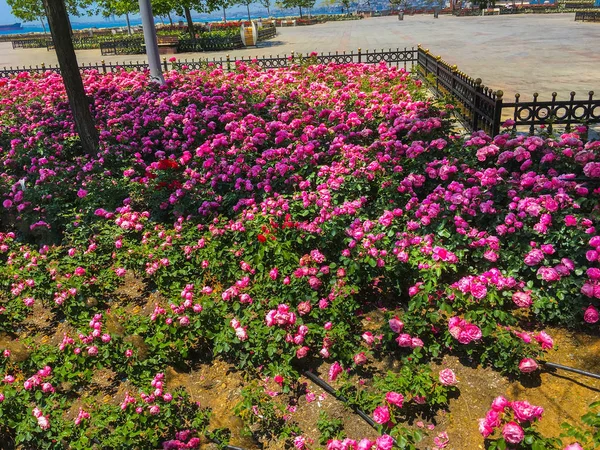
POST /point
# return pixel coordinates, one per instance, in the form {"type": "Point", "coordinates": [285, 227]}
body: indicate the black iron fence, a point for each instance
{"type": "Point", "coordinates": [122, 47]}
{"type": "Point", "coordinates": [267, 32]}
{"type": "Point", "coordinates": [554, 112]}
{"type": "Point", "coordinates": [478, 107]}
{"type": "Point", "coordinates": [29, 43]}
{"type": "Point", "coordinates": [587, 16]}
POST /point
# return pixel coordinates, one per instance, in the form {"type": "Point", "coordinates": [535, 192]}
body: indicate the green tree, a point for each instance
{"type": "Point", "coordinates": [185, 8]}
{"type": "Point", "coordinates": [297, 4]}
{"type": "Point", "coordinates": [28, 10]}
{"type": "Point", "coordinates": [164, 8]}
{"type": "Point", "coordinates": [344, 4]}
{"type": "Point", "coordinates": [33, 10]}
{"type": "Point", "coordinates": [247, 3]}
{"type": "Point", "coordinates": [266, 4]}
{"type": "Point", "coordinates": [119, 8]}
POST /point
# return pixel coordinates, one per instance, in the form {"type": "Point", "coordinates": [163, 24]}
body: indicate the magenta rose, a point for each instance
{"type": "Point", "coordinates": [499, 403]}
{"type": "Point", "coordinates": [394, 398]}
{"type": "Point", "coordinates": [396, 325]}
{"type": "Point", "coordinates": [591, 314]}
{"type": "Point", "coordinates": [385, 442]}
{"type": "Point", "coordinates": [513, 433]}
{"type": "Point", "coordinates": [526, 412]}
{"type": "Point", "coordinates": [548, 274]}
{"type": "Point", "coordinates": [404, 340]}
{"type": "Point", "coordinates": [484, 428]}
{"type": "Point", "coordinates": [574, 446]}
{"type": "Point", "coordinates": [447, 377]}
{"type": "Point", "coordinates": [528, 365]}
{"type": "Point", "coordinates": [522, 299]}
{"type": "Point", "coordinates": [381, 415]}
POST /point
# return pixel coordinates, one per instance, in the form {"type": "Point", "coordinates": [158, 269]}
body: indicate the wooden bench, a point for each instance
{"type": "Point", "coordinates": [167, 45]}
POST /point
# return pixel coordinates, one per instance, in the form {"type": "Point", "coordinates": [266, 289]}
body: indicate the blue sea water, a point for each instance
{"type": "Point", "coordinates": [33, 27]}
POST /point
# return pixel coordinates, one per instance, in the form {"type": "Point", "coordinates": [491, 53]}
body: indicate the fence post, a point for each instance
{"type": "Point", "coordinates": [534, 114]}
{"type": "Point", "coordinates": [359, 55]}
{"type": "Point", "coordinates": [478, 90]}
{"type": "Point", "coordinates": [438, 59]}
{"type": "Point", "coordinates": [166, 67]}
{"type": "Point", "coordinates": [43, 67]}
{"type": "Point", "coordinates": [227, 59]}
{"type": "Point", "coordinates": [497, 113]}
{"type": "Point", "coordinates": [103, 66]}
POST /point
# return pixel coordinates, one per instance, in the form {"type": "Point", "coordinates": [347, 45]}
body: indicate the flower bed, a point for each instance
{"type": "Point", "coordinates": [282, 219]}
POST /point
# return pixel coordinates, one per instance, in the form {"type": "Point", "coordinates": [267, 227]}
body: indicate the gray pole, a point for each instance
{"type": "Point", "coordinates": [151, 41]}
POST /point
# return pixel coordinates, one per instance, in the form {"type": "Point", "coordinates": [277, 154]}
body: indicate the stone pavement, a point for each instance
{"type": "Point", "coordinates": [521, 53]}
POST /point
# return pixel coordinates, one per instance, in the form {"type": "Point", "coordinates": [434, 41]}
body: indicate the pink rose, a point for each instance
{"type": "Point", "coordinates": [528, 365]}
{"type": "Point", "coordinates": [513, 433]}
{"type": "Point", "coordinates": [526, 412]}
{"type": "Point", "coordinates": [394, 398]}
{"type": "Point", "coordinates": [396, 325]}
{"type": "Point", "coordinates": [360, 358]}
{"type": "Point", "coordinates": [302, 352]}
{"type": "Point", "coordinates": [381, 415]}
{"type": "Point", "coordinates": [447, 377]}
{"type": "Point", "coordinates": [365, 444]}
{"type": "Point", "coordinates": [574, 446]}
{"type": "Point", "coordinates": [522, 299]}
{"type": "Point", "coordinates": [545, 340]}
{"type": "Point", "coordinates": [591, 314]}
{"type": "Point", "coordinates": [548, 274]}
{"type": "Point", "coordinates": [385, 442]}
{"type": "Point", "coordinates": [484, 428]}
{"type": "Point", "coordinates": [492, 418]}
{"type": "Point", "coordinates": [43, 422]}
{"type": "Point", "coordinates": [335, 370]}
{"type": "Point", "coordinates": [499, 403]}
{"type": "Point", "coordinates": [404, 340]}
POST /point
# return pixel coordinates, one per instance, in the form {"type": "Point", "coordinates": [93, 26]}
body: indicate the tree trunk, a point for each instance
{"type": "Point", "coordinates": [268, 11]}
{"type": "Point", "coordinates": [248, 8]}
{"type": "Point", "coordinates": [170, 18]}
{"type": "Point", "coordinates": [188, 16]}
{"type": "Point", "coordinates": [69, 69]}
{"type": "Point", "coordinates": [43, 25]}
{"type": "Point", "coordinates": [300, 7]}
{"type": "Point", "coordinates": [128, 24]}
{"type": "Point", "coordinates": [224, 15]}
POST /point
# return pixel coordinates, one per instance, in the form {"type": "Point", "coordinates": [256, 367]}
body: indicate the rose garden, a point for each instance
{"type": "Point", "coordinates": [315, 219]}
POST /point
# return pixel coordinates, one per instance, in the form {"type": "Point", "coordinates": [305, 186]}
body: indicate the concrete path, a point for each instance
{"type": "Point", "coordinates": [521, 53]}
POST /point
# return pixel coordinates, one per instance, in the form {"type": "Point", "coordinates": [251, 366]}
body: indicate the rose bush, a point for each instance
{"type": "Point", "coordinates": [273, 211]}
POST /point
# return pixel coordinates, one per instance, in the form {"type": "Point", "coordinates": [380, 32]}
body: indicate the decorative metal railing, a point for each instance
{"type": "Point", "coordinates": [554, 112]}
{"type": "Point", "coordinates": [587, 16]}
{"type": "Point", "coordinates": [478, 107]}
{"type": "Point", "coordinates": [122, 47]}
{"type": "Point", "coordinates": [267, 32]}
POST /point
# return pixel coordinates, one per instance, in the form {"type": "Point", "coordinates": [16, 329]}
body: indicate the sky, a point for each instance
{"type": "Point", "coordinates": [7, 18]}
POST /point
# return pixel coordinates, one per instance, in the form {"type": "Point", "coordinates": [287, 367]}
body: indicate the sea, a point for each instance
{"type": "Point", "coordinates": [33, 27]}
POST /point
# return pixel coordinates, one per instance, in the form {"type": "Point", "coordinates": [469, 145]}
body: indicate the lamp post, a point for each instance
{"type": "Point", "coordinates": [151, 41]}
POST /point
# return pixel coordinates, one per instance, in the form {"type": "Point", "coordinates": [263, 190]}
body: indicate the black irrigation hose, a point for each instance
{"type": "Point", "coordinates": [571, 369]}
{"type": "Point", "coordinates": [330, 390]}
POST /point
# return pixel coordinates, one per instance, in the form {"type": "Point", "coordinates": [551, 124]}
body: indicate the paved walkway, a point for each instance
{"type": "Point", "coordinates": [522, 53]}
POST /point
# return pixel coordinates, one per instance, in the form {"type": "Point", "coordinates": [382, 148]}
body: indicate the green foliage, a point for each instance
{"type": "Point", "coordinates": [330, 428]}
{"type": "Point", "coordinates": [587, 434]}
